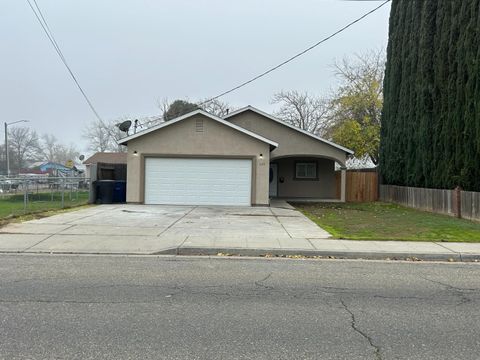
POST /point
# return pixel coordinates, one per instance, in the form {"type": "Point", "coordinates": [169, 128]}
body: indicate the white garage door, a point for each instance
{"type": "Point", "coordinates": [198, 181]}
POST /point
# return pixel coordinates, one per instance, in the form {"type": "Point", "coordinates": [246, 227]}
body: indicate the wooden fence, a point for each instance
{"type": "Point", "coordinates": [361, 186]}
{"type": "Point", "coordinates": [465, 204]}
{"type": "Point", "coordinates": [470, 205]}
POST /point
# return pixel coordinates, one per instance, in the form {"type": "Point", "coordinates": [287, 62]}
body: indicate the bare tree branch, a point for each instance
{"type": "Point", "coordinates": [24, 145]}
{"type": "Point", "coordinates": [52, 150]}
{"type": "Point", "coordinates": [217, 107]}
{"type": "Point", "coordinates": [303, 110]}
{"type": "Point", "coordinates": [103, 136]}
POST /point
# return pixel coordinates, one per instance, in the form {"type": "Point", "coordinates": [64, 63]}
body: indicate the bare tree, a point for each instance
{"type": "Point", "coordinates": [63, 153]}
{"type": "Point", "coordinates": [52, 150]}
{"type": "Point", "coordinates": [103, 136]}
{"type": "Point", "coordinates": [216, 107]}
{"type": "Point", "coordinates": [163, 104]}
{"type": "Point", "coordinates": [358, 72]}
{"type": "Point", "coordinates": [48, 145]}
{"type": "Point", "coordinates": [24, 145]}
{"type": "Point", "coordinates": [303, 110]}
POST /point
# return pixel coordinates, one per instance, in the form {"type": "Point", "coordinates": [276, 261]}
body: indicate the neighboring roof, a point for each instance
{"type": "Point", "coordinates": [260, 112]}
{"type": "Point", "coordinates": [36, 164]}
{"type": "Point", "coordinates": [107, 158]}
{"type": "Point", "coordinates": [125, 140]}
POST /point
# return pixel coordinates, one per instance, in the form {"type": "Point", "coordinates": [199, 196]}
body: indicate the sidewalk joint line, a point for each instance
{"type": "Point", "coordinates": [276, 217]}
{"type": "Point", "coordinates": [177, 251]}
{"type": "Point", "coordinates": [453, 251]}
{"type": "Point", "coordinates": [28, 248]}
{"type": "Point", "coordinates": [313, 246]}
{"type": "Point", "coordinates": [176, 221]}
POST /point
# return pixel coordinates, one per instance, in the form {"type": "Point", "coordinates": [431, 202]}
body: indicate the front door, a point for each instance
{"type": "Point", "coordinates": [273, 189]}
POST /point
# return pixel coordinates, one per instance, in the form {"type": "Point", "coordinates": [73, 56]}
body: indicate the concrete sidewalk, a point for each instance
{"type": "Point", "coordinates": [187, 230]}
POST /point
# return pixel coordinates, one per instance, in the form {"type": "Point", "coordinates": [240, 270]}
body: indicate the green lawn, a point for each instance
{"type": "Point", "coordinates": [13, 205]}
{"type": "Point", "coordinates": [381, 221]}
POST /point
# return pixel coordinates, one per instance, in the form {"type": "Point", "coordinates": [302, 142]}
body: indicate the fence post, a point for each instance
{"type": "Point", "coordinates": [457, 201]}
{"type": "Point", "coordinates": [343, 184]}
{"type": "Point", "coordinates": [25, 195]}
{"type": "Point", "coordinates": [63, 193]}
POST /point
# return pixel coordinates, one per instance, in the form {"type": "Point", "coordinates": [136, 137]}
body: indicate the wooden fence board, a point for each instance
{"type": "Point", "coordinates": [434, 200]}
{"type": "Point", "coordinates": [361, 186]}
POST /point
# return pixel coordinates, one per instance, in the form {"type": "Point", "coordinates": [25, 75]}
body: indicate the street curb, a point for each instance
{"type": "Point", "coordinates": [257, 252]}
{"type": "Point", "coordinates": [367, 255]}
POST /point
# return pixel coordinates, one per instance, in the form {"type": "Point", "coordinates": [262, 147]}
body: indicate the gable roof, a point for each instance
{"type": "Point", "coordinates": [107, 158]}
{"type": "Point", "coordinates": [262, 113]}
{"type": "Point", "coordinates": [126, 139]}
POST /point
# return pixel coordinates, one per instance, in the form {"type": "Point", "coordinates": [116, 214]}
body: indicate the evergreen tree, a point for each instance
{"type": "Point", "coordinates": [430, 134]}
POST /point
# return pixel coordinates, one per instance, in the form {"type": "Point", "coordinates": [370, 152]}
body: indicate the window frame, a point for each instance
{"type": "Point", "coordinates": [305, 178]}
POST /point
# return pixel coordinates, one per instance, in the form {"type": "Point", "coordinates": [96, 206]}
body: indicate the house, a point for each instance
{"type": "Point", "coordinates": [244, 159]}
{"type": "Point", "coordinates": [111, 158]}
{"type": "Point", "coordinates": [50, 168]}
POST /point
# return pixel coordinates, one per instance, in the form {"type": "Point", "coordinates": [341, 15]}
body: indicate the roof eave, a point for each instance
{"type": "Point", "coordinates": [125, 140]}
{"type": "Point", "coordinates": [260, 112]}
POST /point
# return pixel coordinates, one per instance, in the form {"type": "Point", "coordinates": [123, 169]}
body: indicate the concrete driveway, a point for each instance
{"type": "Point", "coordinates": [150, 229]}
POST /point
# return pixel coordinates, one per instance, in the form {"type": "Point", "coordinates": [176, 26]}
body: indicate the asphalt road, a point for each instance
{"type": "Point", "coordinates": [107, 307]}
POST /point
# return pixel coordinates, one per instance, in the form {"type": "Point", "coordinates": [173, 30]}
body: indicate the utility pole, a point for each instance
{"type": "Point", "coordinates": [7, 160]}
{"type": "Point", "coordinates": [6, 143]}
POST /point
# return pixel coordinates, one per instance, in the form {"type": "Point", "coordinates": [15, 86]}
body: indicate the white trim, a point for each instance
{"type": "Point", "coordinates": [260, 112]}
{"type": "Point", "coordinates": [193, 113]}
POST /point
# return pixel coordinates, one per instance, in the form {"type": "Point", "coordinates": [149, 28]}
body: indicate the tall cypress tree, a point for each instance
{"type": "Point", "coordinates": [430, 133]}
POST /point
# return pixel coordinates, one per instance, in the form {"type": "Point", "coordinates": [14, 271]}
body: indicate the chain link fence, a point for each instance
{"type": "Point", "coordinates": [23, 195]}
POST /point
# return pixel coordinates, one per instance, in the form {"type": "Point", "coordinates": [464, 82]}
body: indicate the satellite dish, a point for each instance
{"type": "Point", "coordinates": [125, 126]}
{"type": "Point", "coordinates": [81, 157]}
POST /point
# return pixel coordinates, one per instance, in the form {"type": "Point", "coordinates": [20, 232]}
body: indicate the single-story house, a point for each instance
{"type": "Point", "coordinates": [50, 168]}
{"type": "Point", "coordinates": [245, 158]}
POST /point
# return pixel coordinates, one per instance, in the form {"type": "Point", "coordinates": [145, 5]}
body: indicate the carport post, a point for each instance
{"type": "Point", "coordinates": [343, 184]}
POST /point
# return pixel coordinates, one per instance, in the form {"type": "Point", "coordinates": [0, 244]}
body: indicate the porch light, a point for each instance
{"type": "Point", "coordinates": [135, 153]}
{"type": "Point", "coordinates": [261, 157]}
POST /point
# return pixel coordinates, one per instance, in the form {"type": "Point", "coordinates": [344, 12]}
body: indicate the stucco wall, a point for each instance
{"type": "Point", "coordinates": [183, 139]}
{"type": "Point", "coordinates": [323, 188]}
{"type": "Point", "coordinates": [290, 142]}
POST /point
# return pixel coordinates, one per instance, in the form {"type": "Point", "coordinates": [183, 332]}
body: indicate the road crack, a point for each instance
{"type": "Point", "coordinates": [460, 292]}
{"type": "Point", "coordinates": [260, 282]}
{"type": "Point", "coordinates": [353, 324]}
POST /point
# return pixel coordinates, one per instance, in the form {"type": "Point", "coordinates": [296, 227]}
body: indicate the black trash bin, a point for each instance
{"type": "Point", "coordinates": [120, 191]}
{"type": "Point", "coordinates": [105, 189]}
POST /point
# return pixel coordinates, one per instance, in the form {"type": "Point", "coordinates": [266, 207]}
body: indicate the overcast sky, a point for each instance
{"type": "Point", "coordinates": [128, 54]}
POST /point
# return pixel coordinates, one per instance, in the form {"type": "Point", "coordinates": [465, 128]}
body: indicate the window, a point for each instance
{"type": "Point", "coordinates": [306, 170]}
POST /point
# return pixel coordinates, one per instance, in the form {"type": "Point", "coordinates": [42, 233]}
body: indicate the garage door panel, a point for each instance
{"type": "Point", "coordinates": [198, 181]}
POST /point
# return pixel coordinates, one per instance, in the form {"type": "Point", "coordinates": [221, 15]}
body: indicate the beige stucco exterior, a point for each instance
{"type": "Point", "coordinates": [290, 142]}
{"type": "Point", "coordinates": [323, 187]}
{"type": "Point", "coordinates": [294, 145]}
{"type": "Point", "coordinates": [182, 139]}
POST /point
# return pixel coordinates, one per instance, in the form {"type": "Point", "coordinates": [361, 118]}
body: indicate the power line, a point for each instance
{"type": "Point", "coordinates": [296, 55]}
{"type": "Point", "coordinates": [43, 22]}
{"type": "Point", "coordinates": [286, 61]}
{"type": "Point", "coordinates": [54, 42]}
